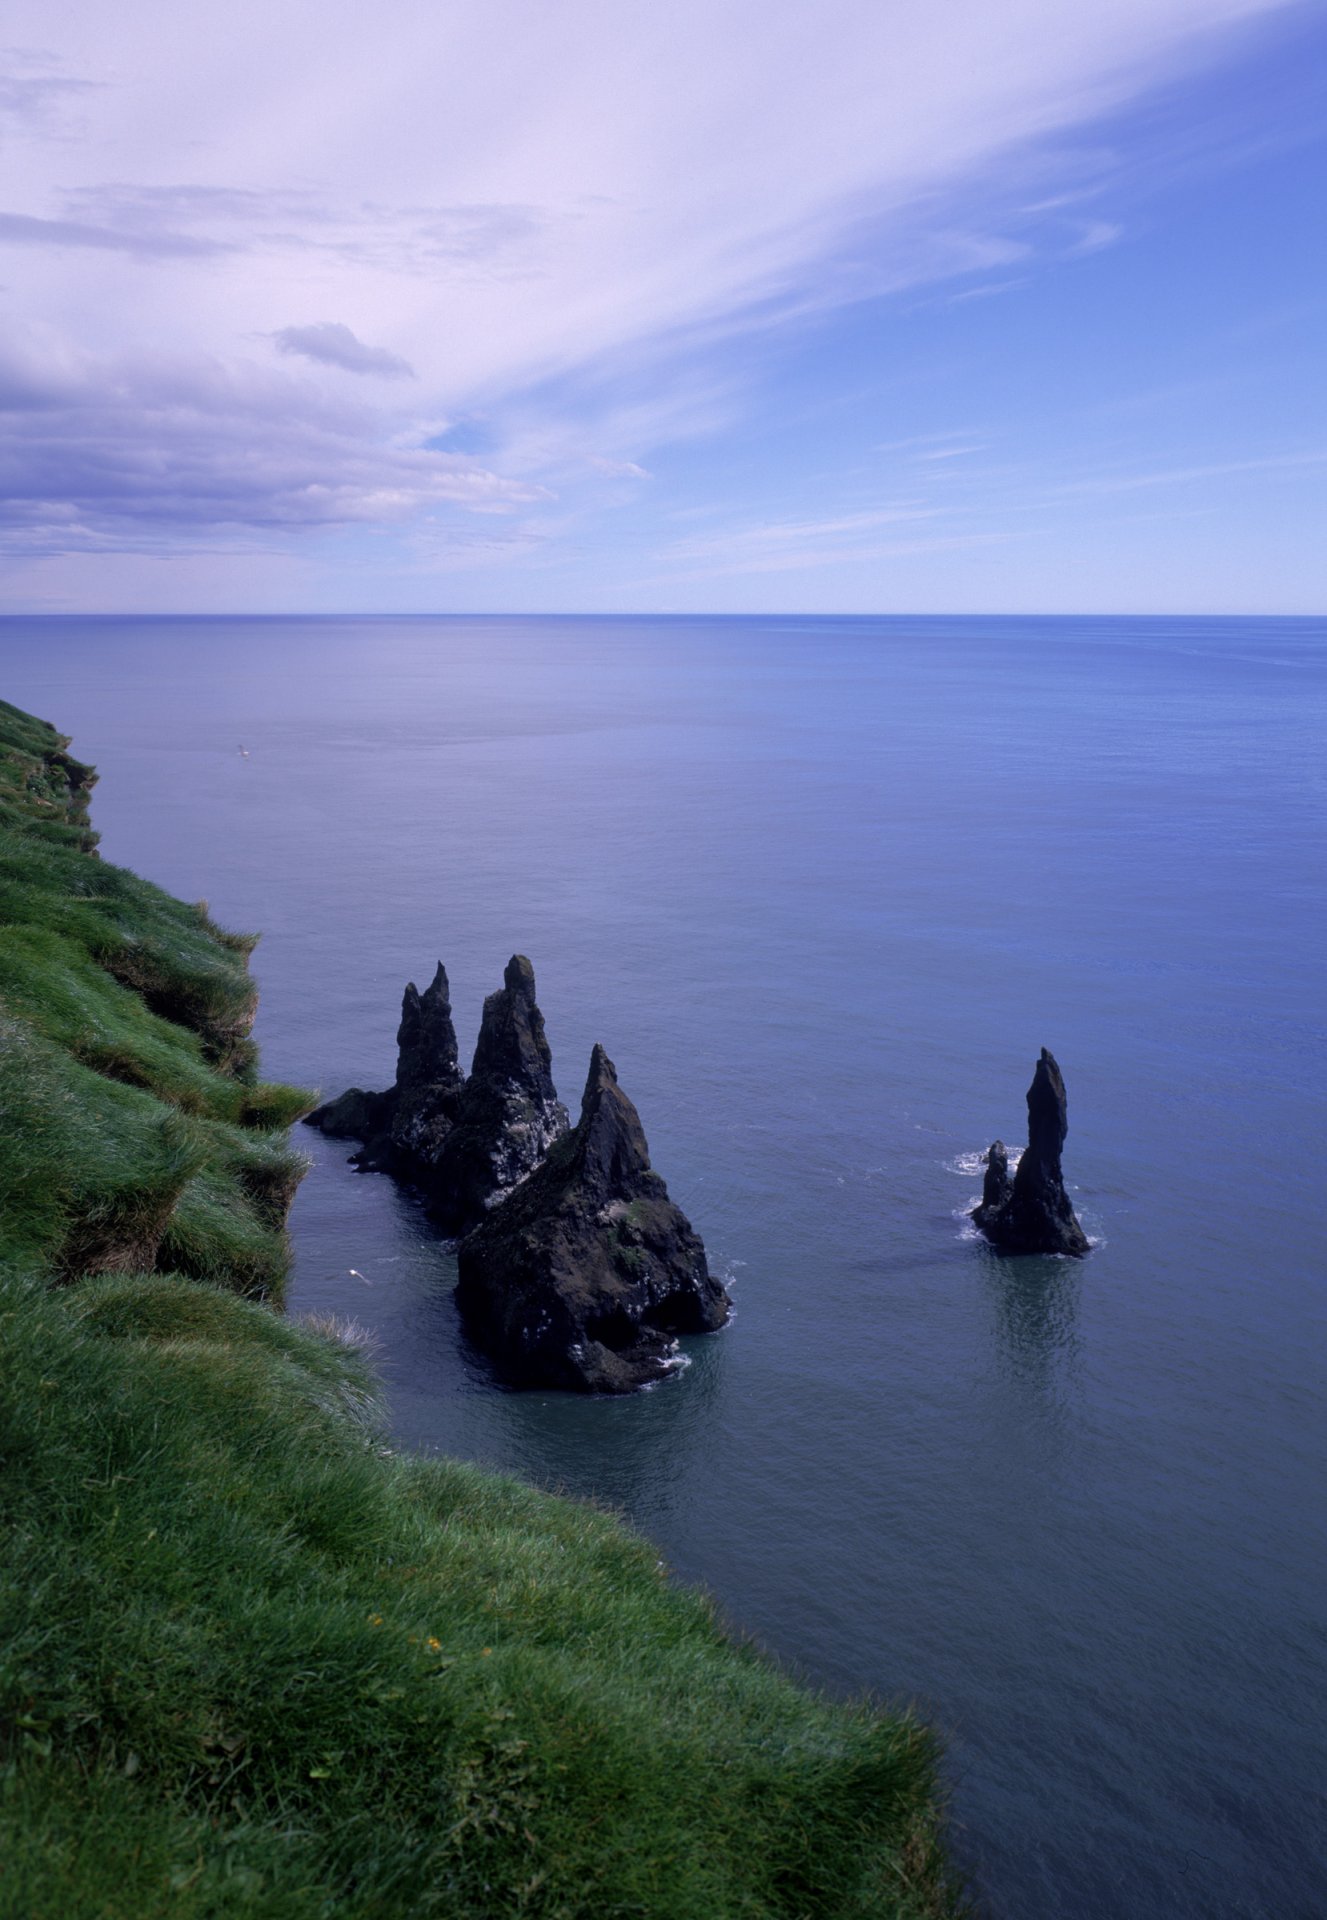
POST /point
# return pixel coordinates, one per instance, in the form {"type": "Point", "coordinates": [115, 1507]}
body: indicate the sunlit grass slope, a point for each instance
{"type": "Point", "coordinates": [251, 1664]}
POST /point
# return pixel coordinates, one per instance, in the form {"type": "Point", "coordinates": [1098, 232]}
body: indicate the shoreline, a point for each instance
{"type": "Point", "coordinates": [233, 1608]}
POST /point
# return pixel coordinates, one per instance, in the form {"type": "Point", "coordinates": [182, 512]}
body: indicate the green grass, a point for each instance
{"type": "Point", "coordinates": [178, 963]}
{"type": "Point", "coordinates": [289, 1673]}
{"type": "Point", "coordinates": [254, 1664]}
{"type": "Point", "coordinates": [138, 1134]}
{"type": "Point", "coordinates": [43, 789]}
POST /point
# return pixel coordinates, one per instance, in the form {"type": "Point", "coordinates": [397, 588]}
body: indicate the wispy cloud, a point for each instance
{"type": "Point", "coordinates": [618, 469]}
{"type": "Point", "coordinates": [1096, 234]}
{"type": "Point", "coordinates": [333, 345]}
{"type": "Point", "coordinates": [794, 545]}
{"type": "Point", "coordinates": [950, 453]}
{"type": "Point", "coordinates": [36, 96]}
{"type": "Point", "coordinates": [559, 219]}
{"type": "Point", "coordinates": [1292, 462]}
{"type": "Point", "coordinates": [27, 230]}
{"type": "Point", "coordinates": [813, 555]}
{"type": "Point", "coordinates": [387, 236]}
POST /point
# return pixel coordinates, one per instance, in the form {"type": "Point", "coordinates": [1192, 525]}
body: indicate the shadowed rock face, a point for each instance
{"type": "Point", "coordinates": [512, 1048]}
{"type": "Point", "coordinates": [587, 1272]}
{"type": "Point", "coordinates": [1032, 1213]}
{"type": "Point", "coordinates": [997, 1187]}
{"type": "Point", "coordinates": [405, 1126]}
{"type": "Point", "coordinates": [464, 1143]}
{"type": "Point", "coordinates": [429, 1080]}
{"type": "Point", "coordinates": [356, 1115]}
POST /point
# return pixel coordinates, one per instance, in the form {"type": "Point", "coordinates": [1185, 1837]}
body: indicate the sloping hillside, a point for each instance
{"type": "Point", "coordinates": [251, 1662]}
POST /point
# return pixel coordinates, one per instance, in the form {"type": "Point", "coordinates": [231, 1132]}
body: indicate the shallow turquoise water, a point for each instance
{"type": "Point", "coordinates": [823, 888]}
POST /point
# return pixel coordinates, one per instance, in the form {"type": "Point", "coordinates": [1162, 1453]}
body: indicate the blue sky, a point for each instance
{"type": "Point", "coordinates": [738, 307]}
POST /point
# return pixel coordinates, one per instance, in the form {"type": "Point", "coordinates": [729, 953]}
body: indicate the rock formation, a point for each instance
{"type": "Point", "coordinates": [997, 1186]}
{"type": "Point", "coordinates": [403, 1128]}
{"type": "Point", "coordinates": [587, 1272]}
{"type": "Point", "coordinates": [1031, 1213]}
{"type": "Point", "coordinates": [429, 1081]}
{"type": "Point", "coordinates": [508, 1115]}
{"type": "Point", "coordinates": [463, 1143]}
{"type": "Point", "coordinates": [576, 1270]}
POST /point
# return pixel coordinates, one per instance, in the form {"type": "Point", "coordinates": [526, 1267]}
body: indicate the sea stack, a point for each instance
{"type": "Point", "coordinates": [587, 1272]}
{"type": "Point", "coordinates": [1031, 1213]}
{"type": "Point", "coordinates": [508, 1115]}
{"type": "Point", "coordinates": [429, 1081]}
{"type": "Point", "coordinates": [464, 1143]}
{"type": "Point", "coordinates": [403, 1129]}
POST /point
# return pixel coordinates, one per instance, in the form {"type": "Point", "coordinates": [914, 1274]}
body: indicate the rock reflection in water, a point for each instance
{"type": "Point", "coordinates": [1035, 1305]}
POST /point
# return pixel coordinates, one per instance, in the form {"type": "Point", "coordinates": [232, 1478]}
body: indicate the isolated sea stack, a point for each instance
{"type": "Point", "coordinates": [465, 1143]}
{"type": "Point", "coordinates": [1031, 1213]}
{"type": "Point", "coordinates": [587, 1272]}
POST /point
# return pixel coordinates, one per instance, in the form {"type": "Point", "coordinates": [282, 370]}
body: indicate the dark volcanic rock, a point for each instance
{"type": "Point", "coordinates": [429, 1080]}
{"type": "Point", "coordinates": [587, 1272]}
{"type": "Point", "coordinates": [354, 1115]}
{"type": "Point", "coordinates": [403, 1128]}
{"type": "Point", "coordinates": [997, 1187]}
{"type": "Point", "coordinates": [464, 1143]}
{"type": "Point", "coordinates": [509, 1114]}
{"type": "Point", "coordinates": [1031, 1213]}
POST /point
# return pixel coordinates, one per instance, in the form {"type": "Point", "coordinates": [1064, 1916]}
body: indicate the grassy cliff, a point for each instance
{"type": "Point", "coordinates": [251, 1662]}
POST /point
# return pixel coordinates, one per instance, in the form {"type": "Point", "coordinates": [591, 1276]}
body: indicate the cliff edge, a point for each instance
{"type": "Point", "coordinates": [254, 1661]}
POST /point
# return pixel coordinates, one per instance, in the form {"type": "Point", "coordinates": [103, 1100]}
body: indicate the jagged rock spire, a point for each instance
{"type": "Point", "coordinates": [512, 1045]}
{"type": "Point", "coordinates": [587, 1272]}
{"type": "Point", "coordinates": [1048, 1117]}
{"type": "Point", "coordinates": [464, 1143]}
{"type": "Point", "coordinates": [1032, 1213]}
{"type": "Point", "coordinates": [429, 1081]}
{"type": "Point", "coordinates": [509, 1113]}
{"type": "Point", "coordinates": [997, 1186]}
{"type": "Point", "coordinates": [426, 1050]}
{"type": "Point", "coordinates": [610, 1141]}
{"type": "Point", "coordinates": [576, 1269]}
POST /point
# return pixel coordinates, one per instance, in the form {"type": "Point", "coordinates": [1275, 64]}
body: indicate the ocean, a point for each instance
{"type": "Point", "coordinates": [823, 888]}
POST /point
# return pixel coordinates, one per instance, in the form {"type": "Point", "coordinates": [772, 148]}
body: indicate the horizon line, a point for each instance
{"type": "Point", "coordinates": [804, 613]}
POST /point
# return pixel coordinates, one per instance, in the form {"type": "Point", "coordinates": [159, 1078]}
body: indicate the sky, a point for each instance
{"type": "Point", "coordinates": [846, 306]}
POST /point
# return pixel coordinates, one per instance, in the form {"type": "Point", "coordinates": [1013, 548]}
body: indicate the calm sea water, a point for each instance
{"type": "Point", "coordinates": [823, 888]}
